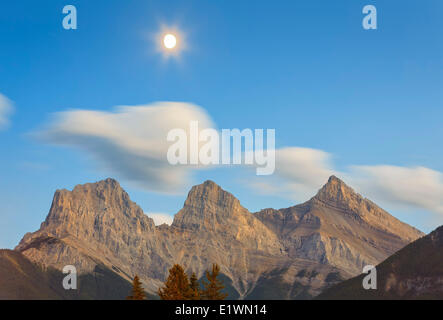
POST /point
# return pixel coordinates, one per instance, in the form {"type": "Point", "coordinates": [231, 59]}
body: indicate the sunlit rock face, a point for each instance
{"type": "Point", "coordinates": [284, 254]}
{"type": "Point", "coordinates": [339, 227]}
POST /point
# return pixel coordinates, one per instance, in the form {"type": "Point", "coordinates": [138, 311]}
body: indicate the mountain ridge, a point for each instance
{"type": "Point", "coordinates": [298, 247]}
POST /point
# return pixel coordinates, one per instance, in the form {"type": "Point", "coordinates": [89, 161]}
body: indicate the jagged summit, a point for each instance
{"type": "Point", "coordinates": [105, 190]}
{"type": "Point", "coordinates": [336, 191]}
{"type": "Point", "coordinates": [334, 179]}
{"type": "Point", "coordinates": [99, 196]}
{"type": "Point", "coordinates": [109, 183]}
{"type": "Point", "coordinates": [337, 194]}
{"type": "Point", "coordinates": [101, 210]}
{"type": "Point", "coordinates": [207, 187]}
{"type": "Point", "coordinates": [210, 183]}
{"type": "Point", "coordinates": [207, 205]}
{"type": "Point", "coordinates": [210, 191]}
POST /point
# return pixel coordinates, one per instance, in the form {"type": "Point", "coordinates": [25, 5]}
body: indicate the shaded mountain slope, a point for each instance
{"type": "Point", "coordinates": [21, 279]}
{"type": "Point", "coordinates": [414, 272]}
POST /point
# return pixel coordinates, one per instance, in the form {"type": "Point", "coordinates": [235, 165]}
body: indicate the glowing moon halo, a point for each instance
{"type": "Point", "coordinates": [169, 41]}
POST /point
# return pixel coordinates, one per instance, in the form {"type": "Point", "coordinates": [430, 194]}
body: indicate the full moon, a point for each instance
{"type": "Point", "coordinates": [170, 41]}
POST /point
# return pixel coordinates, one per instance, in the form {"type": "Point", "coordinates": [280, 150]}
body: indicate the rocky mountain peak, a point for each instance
{"type": "Point", "coordinates": [87, 207]}
{"type": "Point", "coordinates": [206, 206]}
{"type": "Point", "coordinates": [336, 193]}
{"type": "Point", "coordinates": [104, 189]}
{"type": "Point", "coordinates": [209, 191]}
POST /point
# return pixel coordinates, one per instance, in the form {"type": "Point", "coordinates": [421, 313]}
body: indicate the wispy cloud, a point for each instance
{"type": "Point", "coordinates": [6, 109]}
{"type": "Point", "coordinates": [304, 167]}
{"type": "Point", "coordinates": [417, 187]}
{"type": "Point", "coordinates": [300, 172]}
{"type": "Point", "coordinates": [129, 141]}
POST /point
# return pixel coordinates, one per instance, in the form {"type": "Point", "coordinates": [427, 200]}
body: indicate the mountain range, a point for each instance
{"type": "Point", "coordinates": [291, 253]}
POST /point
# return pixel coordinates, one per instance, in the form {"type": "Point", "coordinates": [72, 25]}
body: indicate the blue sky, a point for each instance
{"type": "Point", "coordinates": [306, 68]}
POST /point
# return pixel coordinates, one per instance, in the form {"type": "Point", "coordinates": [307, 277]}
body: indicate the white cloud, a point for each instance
{"type": "Point", "coordinates": [300, 172]}
{"type": "Point", "coordinates": [5, 111]}
{"type": "Point", "coordinates": [130, 141]}
{"type": "Point", "coordinates": [304, 166]}
{"type": "Point", "coordinates": [418, 187]}
{"type": "Point", "coordinates": [161, 218]}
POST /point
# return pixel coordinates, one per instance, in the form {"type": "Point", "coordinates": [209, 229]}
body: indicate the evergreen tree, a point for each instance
{"type": "Point", "coordinates": [195, 287]}
{"type": "Point", "coordinates": [137, 292]}
{"type": "Point", "coordinates": [176, 286]}
{"type": "Point", "coordinates": [213, 287]}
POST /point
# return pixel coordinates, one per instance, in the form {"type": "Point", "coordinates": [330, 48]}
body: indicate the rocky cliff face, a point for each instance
{"type": "Point", "coordinates": [96, 223]}
{"type": "Point", "coordinates": [339, 227]}
{"type": "Point", "coordinates": [288, 253]}
{"type": "Point", "coordinates": [218, 214]}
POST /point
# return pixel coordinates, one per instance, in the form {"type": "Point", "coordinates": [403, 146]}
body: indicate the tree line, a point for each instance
{"type": "Point", "coordinates": [178, 286]}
